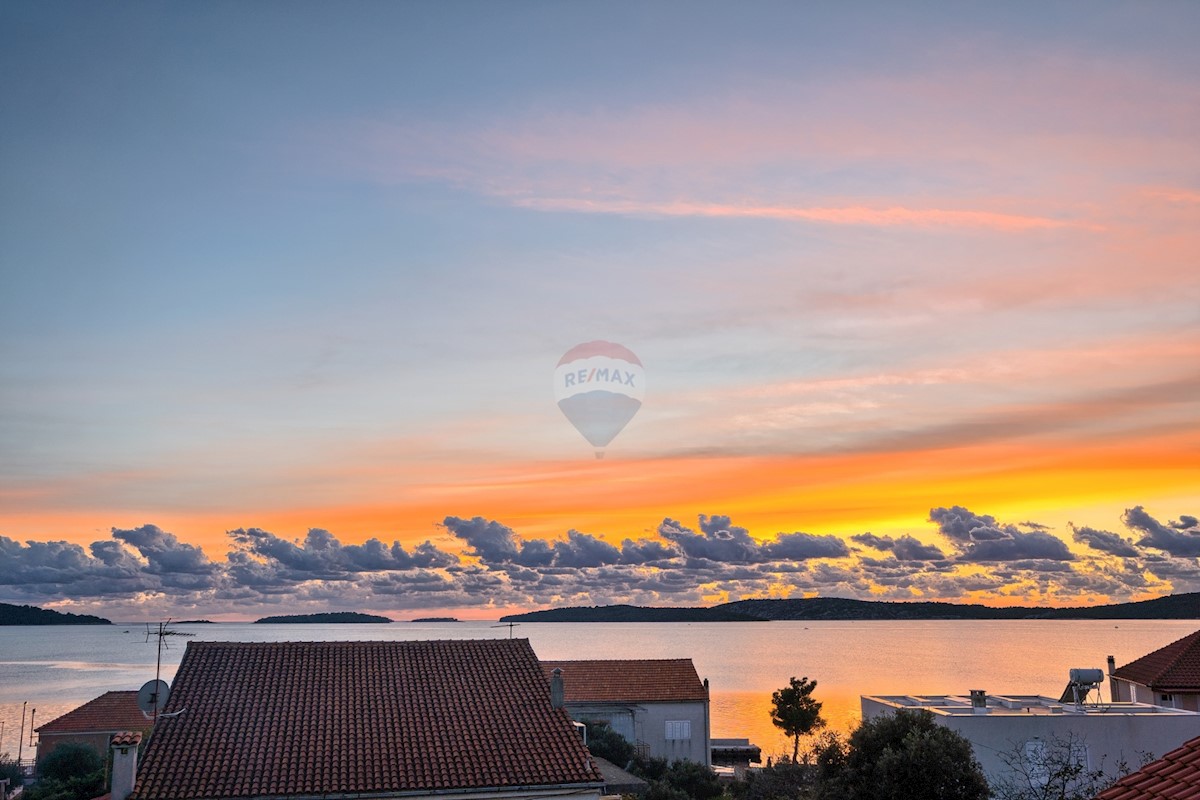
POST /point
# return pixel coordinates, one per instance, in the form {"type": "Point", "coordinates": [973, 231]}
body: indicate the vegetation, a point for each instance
{"type": "Point", "coordinates": [624, 613]}
{"type": "Point", "coordinates": [604, 742]}
{"type": "Point", "coordinates": [1177, 606]}
{"type": "Point", "coordinates": [796, 712]}
{"type": "Point", "coordinates": [70, 772]}
{"type": "Point", "coordinates": [682, 780]}
{"type": "Point", "coordinates": [10, 771]}
{"type": "Point", "coordinates": [1056, 769]}
{"type": "Point", "coordinates": [334, 616]}
{"type": "Point", "coordinates": [897, 757]}
{"type": "Point", "coordinates": [32, 615]}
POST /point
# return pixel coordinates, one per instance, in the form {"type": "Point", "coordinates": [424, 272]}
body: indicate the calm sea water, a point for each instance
{"type": "Point", "coordinates": [56, 669]}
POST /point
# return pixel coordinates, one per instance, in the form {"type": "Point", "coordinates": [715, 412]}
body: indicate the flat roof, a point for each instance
{"type": "Point", "coordinates": [1010, 705]}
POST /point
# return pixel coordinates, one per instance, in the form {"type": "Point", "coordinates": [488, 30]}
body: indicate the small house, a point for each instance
{"type": "Point", "coordinates": [1169, 677]}
{"type": "Point", "coordinates": [93, 724]}
{"type": "Point", "coordinates": [659, 705]}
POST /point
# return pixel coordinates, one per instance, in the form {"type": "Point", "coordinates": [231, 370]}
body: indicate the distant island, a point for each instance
{"type": "Point", "coordinates": [335, 616]}
{"type": "Point", "coordinates": [194, 622]}
{"type": "Point", "coordinates": [623, 613]}
{"type": "Point", "coordinates": [434, 619]}
{"type": "Point", "coordinates": [32, 615]}
{"type": "Point", "coordinates": [1176, 606]}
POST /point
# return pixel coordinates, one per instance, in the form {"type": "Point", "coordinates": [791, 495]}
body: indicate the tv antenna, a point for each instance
{"type": "Point", "coordinates": [509, 625]}
{"type": "Point", "coordinates": [156, 691]}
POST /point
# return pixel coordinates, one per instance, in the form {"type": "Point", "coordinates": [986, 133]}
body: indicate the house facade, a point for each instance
{"type": "Point", "coordinates": [1169, 677]}
{"type": "Point", "coordinates": [307, 720]}
{"type": "Point", "coordinates": [1100, 736]}
{"type": "Point", "coordinates": [93, 724]}
{"type": "Point", "coordinates": [659, 705]}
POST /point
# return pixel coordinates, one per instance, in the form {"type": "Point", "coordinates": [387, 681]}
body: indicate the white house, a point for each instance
{"type": "Point", "coordinates": [658, 705]}
{"type": "Point", "coordinates": [1101, 735]}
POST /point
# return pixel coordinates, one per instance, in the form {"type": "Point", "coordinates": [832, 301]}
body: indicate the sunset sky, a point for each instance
{"type": "Point", "coordinates": [283, 286]}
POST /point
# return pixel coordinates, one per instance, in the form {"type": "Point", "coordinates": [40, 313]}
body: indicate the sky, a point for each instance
{"type": "Point", "coordinates": [283, 287]}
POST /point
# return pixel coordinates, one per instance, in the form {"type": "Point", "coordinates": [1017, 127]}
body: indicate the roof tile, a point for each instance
{"type": "Point", "coordinates": [1173, 667]}
{"type": "Point", "coordinates": [310, 718]}
{"type": "Point", "coordinates": [111, 712]}
{"type": "Point", "coordinates": [629, 680]}
{"type": "Point", "coordinates": [1172, 777]}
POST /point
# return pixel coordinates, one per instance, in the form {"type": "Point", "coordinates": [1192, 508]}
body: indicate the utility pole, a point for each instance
{"type": "Point", "coordinates": [21, 741]}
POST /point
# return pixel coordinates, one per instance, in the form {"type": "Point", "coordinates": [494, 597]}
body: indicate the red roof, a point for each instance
{"type": "Point", "coordinates": [111, 712]}
{"type": "Point", "coordinates": [1174, 667]}
{"type": "Point", "coordinates": [669, 680]}
{"type": "Point", "coordinates": [1175, 776]}
{"type": "Point", "coordinates": [316, 718]}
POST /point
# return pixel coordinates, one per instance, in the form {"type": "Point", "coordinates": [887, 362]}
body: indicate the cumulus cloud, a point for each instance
{"type": "Point", "coordinates": [673, 565]}
{"type": "Point", "coordinates": [980, 538]}
{"type": "Point", "coordinates": [720, 540]}
{"type": "Point", "coordinates": [1179, 538]}
{"type": "Point", "coordinates": [1106, 542]}
{"type": "Point", "coordinates": [905, 548]}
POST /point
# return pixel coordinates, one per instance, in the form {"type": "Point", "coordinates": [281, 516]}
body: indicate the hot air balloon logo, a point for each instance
{"type": "Point", "coordinates": [599, 386]}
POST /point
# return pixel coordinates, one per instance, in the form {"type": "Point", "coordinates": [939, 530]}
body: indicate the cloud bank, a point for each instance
{"type": "Point", "coordinates": [485, 564]}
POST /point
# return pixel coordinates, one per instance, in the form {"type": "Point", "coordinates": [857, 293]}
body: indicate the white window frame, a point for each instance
{"type": "Point", "coordinates": [678, 730]}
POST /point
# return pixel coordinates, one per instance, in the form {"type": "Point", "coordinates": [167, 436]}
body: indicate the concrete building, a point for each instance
{"type": "Point", "coordinates": [1170, 676]}
{"type": "Point", "coordinates": [1102, 734]}
{"type": "Point", "coordinates": [419, 720]}
{"type": "Point", "coordinates": [659, 705]}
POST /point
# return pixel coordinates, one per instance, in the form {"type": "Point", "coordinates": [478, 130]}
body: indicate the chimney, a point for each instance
{"type": "Point", "coordinates": [124, 770]}
{"type": "Point", "coordinates": [556, 692]}
{"type": "Point", "coordinates": [1112, 682]}
{"type": "Point", "coordinates": [978, 702]}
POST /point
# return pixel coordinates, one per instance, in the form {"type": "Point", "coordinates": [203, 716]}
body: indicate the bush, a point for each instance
{"type": "Point", "coordinates": [70, 772]}
{"type": "Point", "coordinates": [604, 742]}
{"type": "Point", "coordinates": [897, 757]}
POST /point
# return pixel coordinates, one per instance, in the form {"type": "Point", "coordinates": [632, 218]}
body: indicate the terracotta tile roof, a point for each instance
{"type": "Point", "coordinates": [1176, 666]}
{"type": "Point", "coordinates": [667, 680]}
{"type": "Point", "coordinates": [1175, 776]}
{"type": "Point", "coordinates": [110, 712]}
{"type": "Point", "coordinates": [317, 718]}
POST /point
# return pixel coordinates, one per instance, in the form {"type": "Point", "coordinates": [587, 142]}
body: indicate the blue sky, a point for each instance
{"type": "Point", "coordinates": [310, 265]}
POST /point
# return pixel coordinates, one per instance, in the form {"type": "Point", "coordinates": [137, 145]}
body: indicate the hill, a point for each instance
{"type": "Point", "coordinates": [32, 615]}
{"type": "Point", "coordinates": [624, 613]}
{"type": "Point", "coordinates": [1177, 606]}
{"type": "Point", "coordinates": [334, 616]}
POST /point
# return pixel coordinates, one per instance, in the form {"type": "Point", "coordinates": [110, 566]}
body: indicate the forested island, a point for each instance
{"type": "Point", "coordinates": [435, 619]}
{"type": "Point", "coordinates": [32, 615]}
{"type": "Point", "coordinates": [333, 616]}
{"type": "Point", "coordinates": [1176, 606]}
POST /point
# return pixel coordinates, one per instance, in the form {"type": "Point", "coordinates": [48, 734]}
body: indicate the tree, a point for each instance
{"type": "Point", "coordinates": [604, 742]}
{"type": "Point", "coordinates": [1056, 769]}
{"type": "Point", "coordinates": [70, 772]}
{"type": "Point", "coordinates": [898, 757]}
{"type": "Point", "coordinates": [794, 710]}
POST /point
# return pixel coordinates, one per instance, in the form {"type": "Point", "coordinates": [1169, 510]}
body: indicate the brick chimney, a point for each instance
{"type": "Point", "coordinates": [124, 770]}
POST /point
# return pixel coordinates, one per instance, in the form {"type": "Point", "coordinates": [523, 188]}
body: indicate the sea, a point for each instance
{"type": "Point", "coordinates": [46, 671]}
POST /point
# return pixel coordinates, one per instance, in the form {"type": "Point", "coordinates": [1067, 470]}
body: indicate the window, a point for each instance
{"type": "Point", "coordinates": [1166, 698]}
{"type": "Point", "coordinates": [678, 729]}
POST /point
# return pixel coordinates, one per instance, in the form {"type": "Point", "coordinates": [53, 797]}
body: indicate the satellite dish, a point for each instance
{"type": "Point", "coordinates": [152, 697]}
